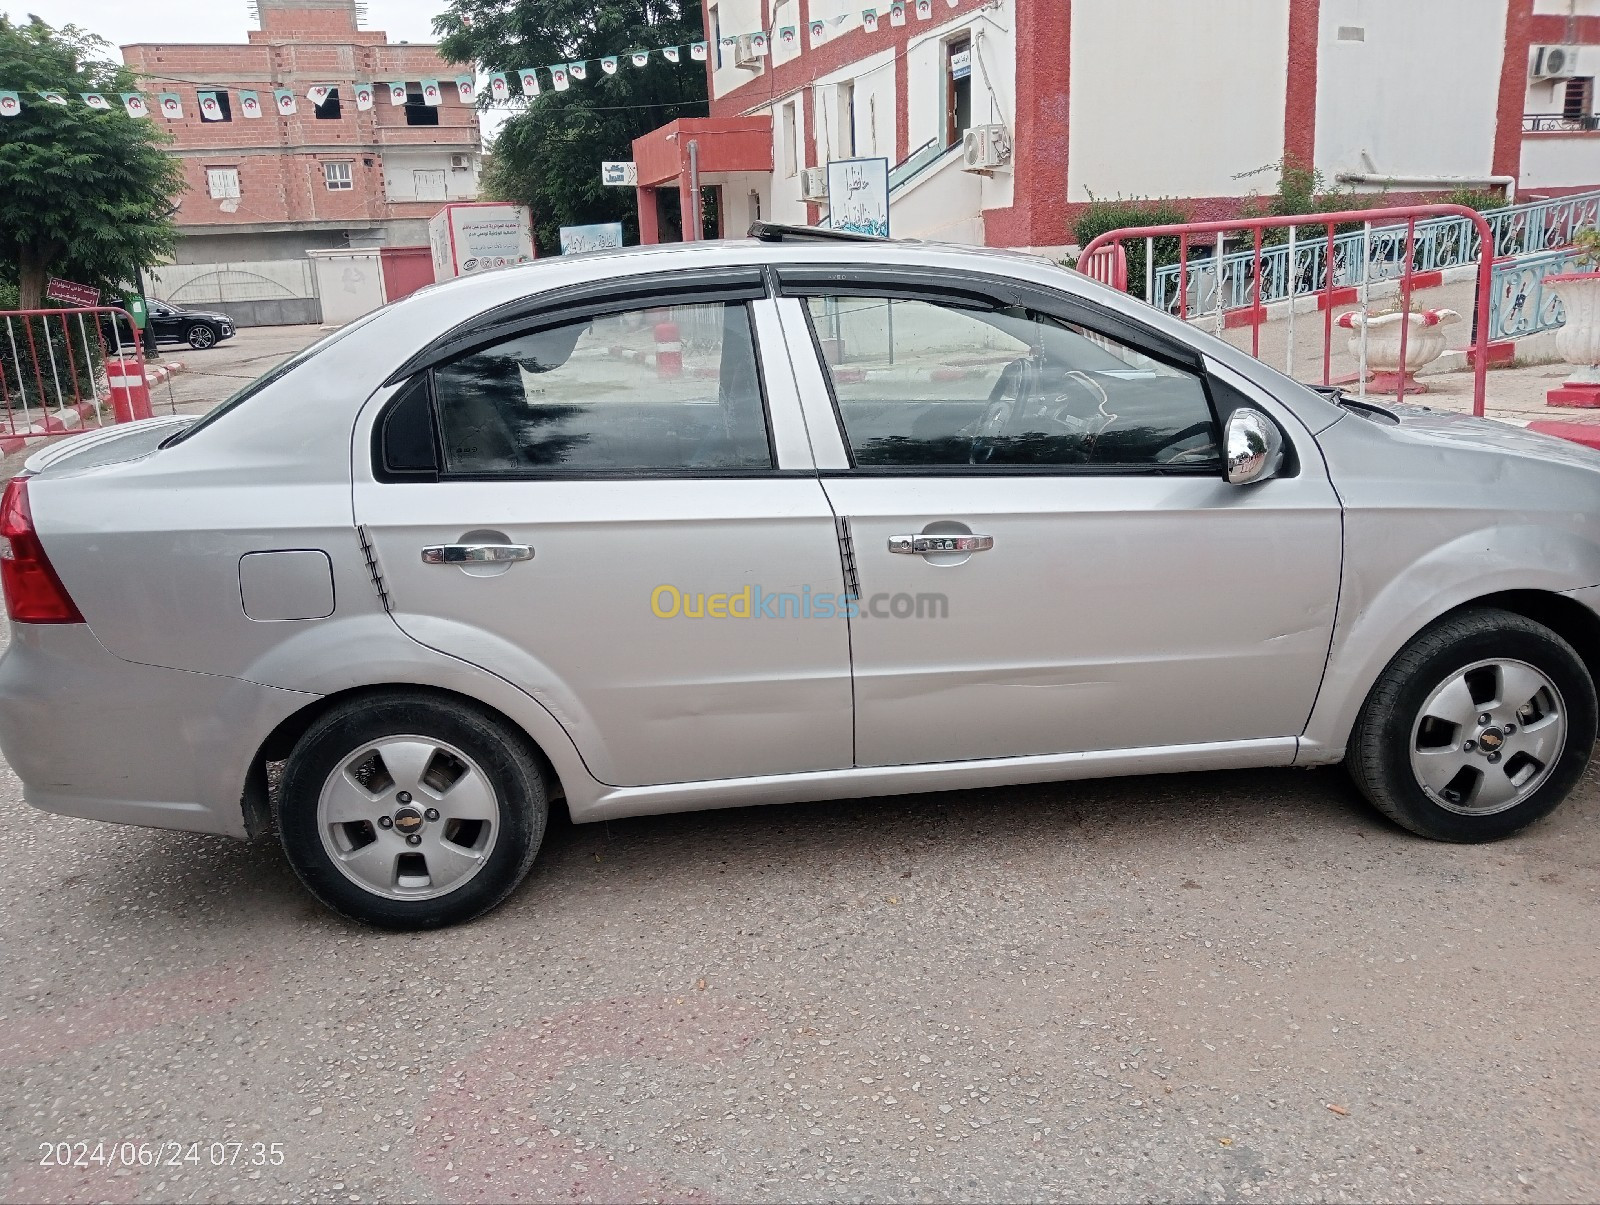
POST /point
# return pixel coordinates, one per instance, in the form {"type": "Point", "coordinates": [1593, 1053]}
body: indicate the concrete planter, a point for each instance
{"type": "Point", "coordinates": [1424, 343]}
{"type": "Point", "coordinates": [1579, 340]}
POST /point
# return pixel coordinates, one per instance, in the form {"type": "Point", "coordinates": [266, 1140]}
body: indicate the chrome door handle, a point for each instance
{"type": "Point", "coordinates": [475, 554]}
{"type": "Point", "coordinates": [920, 545]}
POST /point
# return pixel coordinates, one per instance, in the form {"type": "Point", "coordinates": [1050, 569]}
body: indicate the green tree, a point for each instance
{"type": "Point", "coordinates": [84, 193]}
{"type": "Point", "coordinates": [548, 156]}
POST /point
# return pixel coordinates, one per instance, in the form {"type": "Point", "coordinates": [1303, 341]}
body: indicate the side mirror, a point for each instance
{"type": "Point", "coordinates": [1252, 447]}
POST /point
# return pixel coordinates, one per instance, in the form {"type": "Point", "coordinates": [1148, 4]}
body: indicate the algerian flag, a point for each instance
{"type": "Point", "coordinates": [758, 45]}
{"type": "Point", "coordinates": [133, 102]}
{"type": "Point", "coordinates": [10, 104]}
{"type": "Point", "coordinates": [284, 98]}
{"type": "Point", "coordinates": [210, 110]}
{"type": "Point", "coordinates": [558, 79]}
{"type": "Point", "coordinates": [431, 95]}
{"type": "Point", "coordinates": [670, 53]}
{"type": "Point", "coordinates": [249, 104]}
{"type": "Point", "coordinates": [897, 14]}
{"type": "Point", "coordinates": [697, 51]}
{"type": "Point", "coordinates": [498, 88]}
{"type": "Point", "coordinates": [397, 92]}
{"type": "Point", "coordinates": [363, 97]}
{"type": "Point", "coordinates": [317, 94]}
{"type": "Point", "coordinates": [55, 98]}
{"type": "Point", "coordinates": [530, 81]}
{"type": "Point", "coordinates": [819, 33]}
{"type": "Point", "coordinates": [609, 64]}
{"type": "Point", "coordinates": [924, 9]}
{"type": "Point", "coordinates": [869, 20]}
{"type": "Point", "coordinates": [786, 37]}
{"type": "Point", "coordinates": [466, 88]}
{"type": "Point", "coordinates": [171, 106]}
{"type": "Point", "coordinates": [640, 57]}
{"type": "Point", "coordinates": [94, 100]}
{"type": "Point", "coordinates": [578, 71]}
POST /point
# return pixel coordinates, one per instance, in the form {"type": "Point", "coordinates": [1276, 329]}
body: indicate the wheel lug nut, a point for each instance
{"type": "Point", "coordinates": [1494, 757]}
{"type": "Point", "coordinates": [385, 822]}
{"type": "Point", "coordinates": [432, 813]}
{"type": "Point", "coordinates": [404, 797]}
{"type": "Point", "coordinates": [413, 839]}
{"type": "Point", "coordinates": [1510, 728]}
{"type": "Point", "coordinates": [1468, 746]}
{"type": "Point", "coordinates": [1482, 719]}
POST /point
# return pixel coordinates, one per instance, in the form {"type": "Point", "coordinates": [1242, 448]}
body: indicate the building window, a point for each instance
{"type": "Point", "coordinates": [958, 89]}
{"type": "Point", "coordinates": [1578, 100]}
{"type": "Point", "coordinates": [418, 112]}
{"type": "Point", "coordinates": [844, 103]}
{"type": "Point", "coordinates": [336, 173]}
{"type": "Point", "coordinates": [716, 35]}
{"type": "Point", "coordinates": [328, 110]}
{"type": "Point", "coordinates": [791, 157]}
{"type": "Point", "coordinates": [222, 182]}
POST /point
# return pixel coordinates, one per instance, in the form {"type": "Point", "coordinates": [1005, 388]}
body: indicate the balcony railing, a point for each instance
{"type": "Point", "coordinates": [1559, 123]}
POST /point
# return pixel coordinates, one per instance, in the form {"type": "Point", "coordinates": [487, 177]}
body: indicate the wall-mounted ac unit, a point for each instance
{"type": "Point", "coordinates": [744, 53]}
{"type": "Point", "coordinates": [814, 184]}
{"type": "Point", "coordinates": [460, 163]}
{"type": "Point", "coordinates": [985, 148]}
{"type": "Point", "coordinates": [1554, 62]}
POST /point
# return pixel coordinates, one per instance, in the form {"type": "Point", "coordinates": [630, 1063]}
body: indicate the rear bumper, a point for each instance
{"type": "Point", "coordinates": [92, 735]}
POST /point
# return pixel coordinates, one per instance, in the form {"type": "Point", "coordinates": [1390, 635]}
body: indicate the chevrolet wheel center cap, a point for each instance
{"type": "Point", "coordinates": [1489, 741]}
{"type": "Point", "coordinates": [407, 821]}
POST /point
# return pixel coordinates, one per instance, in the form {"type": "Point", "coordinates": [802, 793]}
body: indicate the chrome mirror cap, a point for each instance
{"type": "Point", "coordinates": [1252, 447]}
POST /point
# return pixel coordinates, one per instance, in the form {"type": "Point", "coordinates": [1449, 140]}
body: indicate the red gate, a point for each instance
{"type": "Point", "coordinates": [1099, 252]}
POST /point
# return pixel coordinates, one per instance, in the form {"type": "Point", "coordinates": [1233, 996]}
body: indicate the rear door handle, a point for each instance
{"type": "Point", "coordinates": [475, 554]}
{"type": "Point", "coordinates": [921, 545]}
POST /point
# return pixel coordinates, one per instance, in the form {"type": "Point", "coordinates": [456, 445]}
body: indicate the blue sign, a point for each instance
{"type": "Point", "coordinates": [602, 236]}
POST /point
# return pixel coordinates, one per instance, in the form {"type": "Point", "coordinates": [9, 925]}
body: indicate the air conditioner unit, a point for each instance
{"type": "Point", "coordinates": [814, 184]}
{"type": "Point", "coordinates": [985, 148]}
{"type": "Point", "coordinates": [744, 53]}
{"type": "Point", "coordinates": [1554, 62]}
{"type": "Point", "coordinates": [460, 163]}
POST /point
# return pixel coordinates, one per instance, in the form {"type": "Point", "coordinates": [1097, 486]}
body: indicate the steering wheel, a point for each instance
{"type": "Point", "coordinates": [1016, 383]}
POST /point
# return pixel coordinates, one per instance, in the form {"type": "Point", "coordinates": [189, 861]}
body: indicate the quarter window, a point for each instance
{"type": "Point", "coordinates": [921, 383]}
{"type": "Point", "coordinates": [650, 390]}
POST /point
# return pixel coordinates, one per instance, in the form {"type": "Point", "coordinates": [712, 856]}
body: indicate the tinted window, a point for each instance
{"type": "Point", "coordinates": [919, 383]}
{"type": "Point", "coordinates": [668, 388]}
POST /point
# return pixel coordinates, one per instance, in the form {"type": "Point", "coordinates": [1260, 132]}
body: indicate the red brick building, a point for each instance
{"type": "Point", "coordinates": [329, 176]}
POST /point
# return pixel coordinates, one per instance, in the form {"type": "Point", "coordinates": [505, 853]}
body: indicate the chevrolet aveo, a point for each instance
{"type": "Point", "coordinates": [787, 519]}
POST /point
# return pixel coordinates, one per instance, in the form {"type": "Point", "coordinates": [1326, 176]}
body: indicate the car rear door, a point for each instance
{"type": "Point", "coordinates": [1050, 560]}
{"type": "Point", "coordinates": [598, 502]}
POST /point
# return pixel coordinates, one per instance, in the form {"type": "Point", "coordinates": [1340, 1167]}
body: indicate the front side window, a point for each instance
{"type": "Point", "coordinates": [338, 176]}
{"type": "Point", "coordinates": [920, 383]}
{"type": "Point", "coordinates": [664, 389]}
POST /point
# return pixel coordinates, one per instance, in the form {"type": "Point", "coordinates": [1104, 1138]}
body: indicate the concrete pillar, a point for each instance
{"type": "Point", "coordinates": [649, 231]}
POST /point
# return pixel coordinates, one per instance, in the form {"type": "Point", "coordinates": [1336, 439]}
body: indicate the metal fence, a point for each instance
{"type": "Point", "coordinates": [1300, 267]}
{"type": "Point", "coordinates": [1520, 305]}
{"type": "Point", "coordinates": [269, 292]}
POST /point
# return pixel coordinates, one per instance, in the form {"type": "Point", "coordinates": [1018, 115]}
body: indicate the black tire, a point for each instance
{"type": "Point", "coordinates": [201, 336]}
{"type": "Point", "coordinates": [1379, 754]}
{"type": "Point", "coordinates": [507, 761]}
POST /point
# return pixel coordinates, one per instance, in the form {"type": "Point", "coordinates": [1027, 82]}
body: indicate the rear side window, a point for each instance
{"type": "Point", "coordinates": [925, 383]}
{"type": "Point", "coordinates": [659, 389]}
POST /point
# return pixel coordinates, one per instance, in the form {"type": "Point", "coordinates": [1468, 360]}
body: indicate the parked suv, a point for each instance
{"type": "Point", "coordinates": [167, 323]}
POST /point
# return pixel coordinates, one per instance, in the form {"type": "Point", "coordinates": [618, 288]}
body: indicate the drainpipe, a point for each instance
{"type": "Point", "coordinates": [694, 191]}
{"type": "Point", "coordinates": [1509, 183]}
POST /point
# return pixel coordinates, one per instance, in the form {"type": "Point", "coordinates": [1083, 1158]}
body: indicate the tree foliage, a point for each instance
{"type": "Point", "coordinates": [548, 156]}
{"type": "Point", "coordinates": [84, 193]}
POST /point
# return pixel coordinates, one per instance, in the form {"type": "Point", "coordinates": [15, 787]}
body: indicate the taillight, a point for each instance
{"type": "Point", "coordinates": [34, 594]}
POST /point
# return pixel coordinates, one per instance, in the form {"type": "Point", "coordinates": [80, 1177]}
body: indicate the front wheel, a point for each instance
{"type": "Point", "coordinates": [201, 336]}
{"type": "Point", "coordinates": [411, 811]}
{"type": "Point", "coordinates": [1477, 728]}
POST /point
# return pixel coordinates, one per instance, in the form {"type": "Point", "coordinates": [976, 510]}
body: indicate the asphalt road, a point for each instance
{"type": "Point", "coordinates": [1211, 987]}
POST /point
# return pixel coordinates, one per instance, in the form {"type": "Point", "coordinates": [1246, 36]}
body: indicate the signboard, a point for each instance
{"type": "Point", "coordinates": [621, 174]}
{"type": "Point", "coordinates": [858, 196]}
{"type": "Point", "coordinates": [961, 63]}
{"type": "Point", "coordinates": [602, 236]}
{"type": "Point", "coordinates": [472, 238]}
{"type": "Point", "coordinates": [71, 292]}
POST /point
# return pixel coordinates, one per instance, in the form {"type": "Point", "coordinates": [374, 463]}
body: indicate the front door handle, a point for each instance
{"type": "Point", "coordinates": [922, 545]}
{"type": "Point", "coordinates": [475, 554]}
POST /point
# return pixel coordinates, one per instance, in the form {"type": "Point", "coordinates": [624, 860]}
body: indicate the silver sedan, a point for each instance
{"type": "Point", "coordinates": [794, 518]}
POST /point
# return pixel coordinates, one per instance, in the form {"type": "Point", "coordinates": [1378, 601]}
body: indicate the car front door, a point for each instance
{"type": "Point", "coordinates": [613, 505]}
{"type": "Point", "coordinates": [1050, 559]}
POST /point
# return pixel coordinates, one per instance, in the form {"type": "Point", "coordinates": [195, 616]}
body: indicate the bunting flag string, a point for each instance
{"type": "Point", "coordinates": [501, 85]}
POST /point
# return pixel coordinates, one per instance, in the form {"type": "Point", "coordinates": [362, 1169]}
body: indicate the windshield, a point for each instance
{"type": "Point", "coordinates": [275, 373]}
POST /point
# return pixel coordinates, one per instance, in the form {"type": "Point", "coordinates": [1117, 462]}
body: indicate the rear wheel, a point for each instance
{"type": "Point", "coordinates": [411, 811]}
{"type": "Point", "coordinates": [201, 336]}
{"type": "Point", "coordinates": [1480, 726]}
